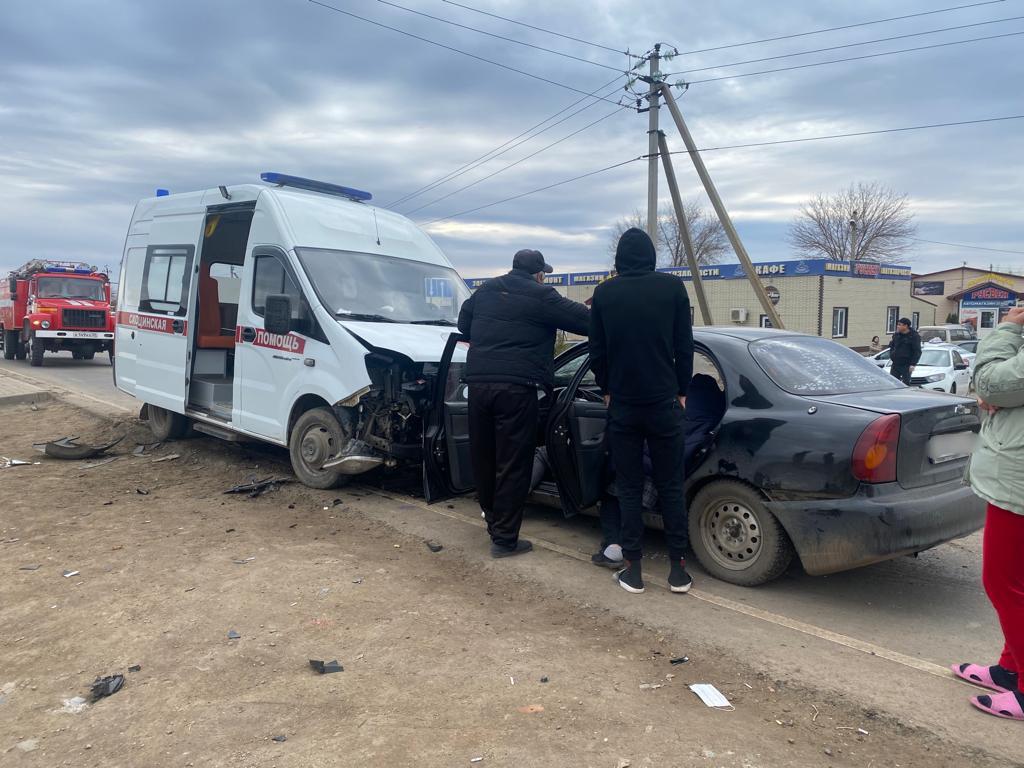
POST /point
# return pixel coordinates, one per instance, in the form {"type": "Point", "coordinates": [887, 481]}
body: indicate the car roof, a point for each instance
{"type": "Point", "coordinates": [744, 333]}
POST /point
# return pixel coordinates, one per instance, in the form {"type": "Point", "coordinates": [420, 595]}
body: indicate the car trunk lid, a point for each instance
{"type": "Point", "coordinates": [937, 431]}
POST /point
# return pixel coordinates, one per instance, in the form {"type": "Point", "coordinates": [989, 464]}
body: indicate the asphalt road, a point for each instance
{"type": "Point", "coordinates": [874, 632]}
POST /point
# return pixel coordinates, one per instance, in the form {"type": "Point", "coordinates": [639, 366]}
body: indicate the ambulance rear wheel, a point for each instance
{"type": "Point", "coordinates": [317, 437]}
{"type": "Point", "coordinates": [10, 344]}
{"type": "Point", "coordinates": [167, 425]}
{"type": "Point", "coordinates": [36, 350]}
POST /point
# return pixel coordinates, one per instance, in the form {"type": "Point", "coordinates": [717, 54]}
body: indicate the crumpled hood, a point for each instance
{"type": "Point", "coordinates": [420, 343]}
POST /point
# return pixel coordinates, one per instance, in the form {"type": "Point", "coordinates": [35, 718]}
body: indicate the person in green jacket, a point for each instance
{"type": "Point", "coordinates": [996, 474]}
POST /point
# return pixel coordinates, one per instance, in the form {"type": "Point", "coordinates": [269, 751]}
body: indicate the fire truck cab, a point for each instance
{"type": "Point", "coordinates": [54, 306]}
{"type": "Point", "coordinates": [290, 312]}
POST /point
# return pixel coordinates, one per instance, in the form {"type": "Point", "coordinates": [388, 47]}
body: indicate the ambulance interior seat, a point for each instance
{"type": "Point", "coordinates": [212, 333]}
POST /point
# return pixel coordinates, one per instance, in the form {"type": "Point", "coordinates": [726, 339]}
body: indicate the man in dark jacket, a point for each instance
{"type": "Point", "coordinates": [905, 350]}
{"type": "Point", "coordinates": [641, 350]}
{"type": "Point", "coordinates": [511, 323]}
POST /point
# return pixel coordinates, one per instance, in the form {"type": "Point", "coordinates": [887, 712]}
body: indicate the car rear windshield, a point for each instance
{"type": "Point", "coordinates": [805, 365]}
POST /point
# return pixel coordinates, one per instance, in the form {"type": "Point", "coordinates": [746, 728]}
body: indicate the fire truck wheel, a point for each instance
{"type": "Point", "coordinates": [10, 344]}
{"type": "Point", "coordinates": [36, 350]}
{"type": "Point", "coordinates": [88, 355]}
{"type": "Point", "coordinates": [19, 350]}
{"type": "Point", "coordinates": [167, 425]}
{"type": "Point", "coordinates": [316, 437]}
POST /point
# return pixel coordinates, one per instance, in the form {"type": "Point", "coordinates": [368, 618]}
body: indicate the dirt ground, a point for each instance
{"type": "Point", "coordinates": [443, 661]}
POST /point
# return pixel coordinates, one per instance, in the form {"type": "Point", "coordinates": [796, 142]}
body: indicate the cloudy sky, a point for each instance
{"type": "Point", "coordinates": [101, 101]}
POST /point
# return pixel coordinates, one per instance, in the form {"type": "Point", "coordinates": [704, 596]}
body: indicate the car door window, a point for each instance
{"type": "Point", "coordinates": [565, 372]}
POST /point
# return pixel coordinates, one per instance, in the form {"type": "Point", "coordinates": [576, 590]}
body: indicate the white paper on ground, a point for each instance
{"type": "Point", "coordinates": [711, 696]}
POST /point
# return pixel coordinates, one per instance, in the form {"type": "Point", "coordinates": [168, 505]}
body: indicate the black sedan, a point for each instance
{"type": "Point", "coordinates": [797, 446]}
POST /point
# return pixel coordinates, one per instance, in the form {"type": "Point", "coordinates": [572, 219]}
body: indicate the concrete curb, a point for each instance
{"type": "Point", "coordinates": [15, 391]}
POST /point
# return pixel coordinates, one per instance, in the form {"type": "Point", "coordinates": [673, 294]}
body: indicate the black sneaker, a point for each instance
{"type": "Point", "coordinates": [603, 560]}
{"type": "Point", "coordinates": [678, 579]}
{"type": "Point", "coordinates": [522, 547]}
{"type": "Point", "coordinates": [630, 578]}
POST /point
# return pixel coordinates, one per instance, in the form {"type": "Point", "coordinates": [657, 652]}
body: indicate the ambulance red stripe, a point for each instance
{"type": "Point", "coordinates": [154, 323]}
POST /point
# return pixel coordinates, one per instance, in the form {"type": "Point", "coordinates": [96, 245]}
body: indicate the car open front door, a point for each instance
{"type": "Point", "coordinates": [576, 445]}
{"type": "Point", "coordinates": [447, 460]}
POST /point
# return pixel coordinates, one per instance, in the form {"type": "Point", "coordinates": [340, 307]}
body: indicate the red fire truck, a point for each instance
{"type": "Point", "coordinates": [51, 306]}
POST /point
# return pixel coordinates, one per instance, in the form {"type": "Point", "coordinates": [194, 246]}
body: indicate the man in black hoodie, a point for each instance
{"type": "Point", "coordinates": [641, 350]}
{"type": "Point", "coordinates": [904, 350]}
{"type": "Point", "coordinates": [511, 322]}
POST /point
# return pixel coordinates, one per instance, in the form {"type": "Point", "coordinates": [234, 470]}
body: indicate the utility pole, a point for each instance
{"type": "Point", "coordinates": [684, 230]}
{"type": "Point", "coordinates": [719, 206]}
{"type": "Point", "coordinates": [652, 144]}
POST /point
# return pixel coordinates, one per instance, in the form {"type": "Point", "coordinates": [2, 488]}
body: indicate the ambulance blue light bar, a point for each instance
{"type": "Point", "coordinates": [284, 180]}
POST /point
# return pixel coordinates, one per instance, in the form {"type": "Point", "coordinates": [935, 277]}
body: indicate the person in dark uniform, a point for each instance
{"type": "Point", "coordinates": [511, 323]}
{"type": "Point", "coordinates": [641, 350]}
{"type": "Point", "coordinates": [904, 350]}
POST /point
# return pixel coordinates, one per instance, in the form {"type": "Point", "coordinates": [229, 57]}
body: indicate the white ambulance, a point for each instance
{"type": "Point", "coordinates": [290, 312]}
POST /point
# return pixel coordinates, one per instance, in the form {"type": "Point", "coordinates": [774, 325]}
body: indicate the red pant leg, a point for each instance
{"type": "Point", "coordinates": [1003, 576]}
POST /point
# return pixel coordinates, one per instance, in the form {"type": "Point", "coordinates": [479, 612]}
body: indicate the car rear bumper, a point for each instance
{"type": "Point", "coordinates": [878, 523]}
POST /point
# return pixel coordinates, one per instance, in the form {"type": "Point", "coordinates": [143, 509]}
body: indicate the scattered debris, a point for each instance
{"type": "Point", "coordinates": [74, 706]}
{"type": "Point", "coordinates": [33, 567]}
{"type": "Point", "coordinates": [69, 574]}
{"type": "Point", "coordinates": [279, 739]}
{"type": "Point", "coordinates": [679, 660]}
{"type": "Point", "coordinates": [229, 530]}
{"type": "Point", "coordinates": [862, 732]}
{"type": "Point", "coordinates": [511, 679]}
{"type": "Point", "coordinates": [815, 718]}
{"type": "Point", "coordinates": [544, 679]}
{"type": "Point", "coordinates": [531, 709]}
{"type": "Point", "coordinates": [135, 668]}
{"type": "Point", "coordinates": [28, 745]}
{"type": "Point", "coordinates": [828, 751]}
{"type": "Point", "coordinates": [106, 686]}
{"type": "Point", "coordinates": [337, 503]}
{"type": "Point", "coordinates": [256, 488]}
{"type": "Point", "coordinates": [6, 462]}
{"type": "Point", "coordinates": [108, 503]}
{"type": "Point", "coordinates": [139, 450]}
{"type": "Point", "coordinates": [357, 580]}
{"type": "Point", "coordinates": [142, 492]}
{"type": "Point", "coordinates": [651, 686]}
{"type": "Point", "coordinates": [232, 635]}
{"type": "Point", "coordinates": [168, 457]}
{"type": "Point", "coordinates": [476, 759]}
{"type": "Point", "coordinates": [623, 763]}
{"type": "Point", "coordinates": [243, 562]}
{"type": "Point", "coordinates": [67, 448]}
{"type": "Point", "coordinates": [711, 696]}
{"type": "Point", "coordinates": [326, 667]}
{"type": "Point", "coordinates": [433, 546]}
{"type": "Point", "coordinates": [99, 463]}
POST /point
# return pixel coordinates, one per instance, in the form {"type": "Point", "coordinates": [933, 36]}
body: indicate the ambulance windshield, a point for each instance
{"type": "Point", "coordinates": [69, 288]}
{"type": "Point", "coordinates": [385, 288]}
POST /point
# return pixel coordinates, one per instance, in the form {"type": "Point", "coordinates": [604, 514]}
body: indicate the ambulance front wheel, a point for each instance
{"type": "Point", "coordinates": [317, 437]}
{"type": "Point", "coordinates": [167, 425]}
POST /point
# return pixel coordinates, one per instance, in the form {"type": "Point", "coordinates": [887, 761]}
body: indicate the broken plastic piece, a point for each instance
{"type": "Point", "coordinates": [7, 463]}
{"type": "Point", "coordinates": [259, 487]}
{"type": "Point", "coordinates": [135, 668]}
{"type": "Point", "coordinates": [544, 679]}
{"type": "Point", "coordinates": [168, 457]}
{"type": "Point", "coordinates": [711, 696]}
{"type": "Point", "coordinates": [33, 567]}
{"type": "Point", "coordinates": [326, 667]}
{"type": "Point", "coordinates": [106, 686]}
{"type": "Point", "coordinates": [279, 739]}
{"type": "Point", "coordinates": [142, 492]}
{"type": "Point", "coordinates": [679, 660]}
{"type": "Point", "coordinates": [476, 759]}
{"type": "Point", "coordinates": [232, 635]}
{"type": "Point", "coordinates": [433, 546]}
{"type": "Point", "coordinates": [99, 463]}
{"type": "Point", "coordinates": [69, 574]}
{"type": "Point", "coordinates": [74, 706]}
{"type": "Point", "coordinates": [67, 448]}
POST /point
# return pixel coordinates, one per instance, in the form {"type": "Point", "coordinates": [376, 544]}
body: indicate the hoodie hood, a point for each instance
{"type": "Point", "coordinates": [635, 252]}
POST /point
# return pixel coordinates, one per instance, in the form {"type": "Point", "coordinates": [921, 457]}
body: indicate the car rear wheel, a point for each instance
{"type": "Point", "coordinates": [167, 425]}
{"type": "Point", "coordinates": [735, 537]}
{"type": "Point", "coordinates": [317, 437]}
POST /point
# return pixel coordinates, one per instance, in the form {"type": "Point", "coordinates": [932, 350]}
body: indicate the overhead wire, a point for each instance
{"type": "Point", "coordinates": [542, 29]}
{"type": "Point", "coordinates": [452, 48]}
{"type": "Point", "coordinates": [733, 146]}
{"type": "Point", "coordinates": [517, 162]}
{"type": "Point", "coordinates": [853, 58]}
{"type": "Point", "coordinates": [971, 247]}
{"type": "Point", "coordinates": [846, 45]}
{"type": "Point", "coordinates": [497, 151]}
{"type": "Point", "coordinates": [501, 37]}
{"type": "Point", "coordinates": [837, 29]}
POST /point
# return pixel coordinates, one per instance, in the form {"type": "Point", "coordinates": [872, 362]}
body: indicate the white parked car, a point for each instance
{"type": "Point", "coordinates": [942, 369]}
{"type": "Point", "coordinates": [882, 359]}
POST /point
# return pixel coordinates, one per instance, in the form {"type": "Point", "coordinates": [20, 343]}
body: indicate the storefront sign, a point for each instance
{"type": "Point", "coordinates": [929, 288]}
{"type": "Point", "coordinates": [773, 293]}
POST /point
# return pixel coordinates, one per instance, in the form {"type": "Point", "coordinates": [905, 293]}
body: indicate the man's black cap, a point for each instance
{"type": "Point", "coordinates": [531, 261]}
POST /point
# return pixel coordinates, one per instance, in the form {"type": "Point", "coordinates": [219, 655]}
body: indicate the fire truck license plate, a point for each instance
{"type": "Point", "coordinates": [83, 335]}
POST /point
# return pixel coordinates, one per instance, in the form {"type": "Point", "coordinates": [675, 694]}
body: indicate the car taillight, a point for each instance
{"type": "Point", "coordinates": [874, 457]}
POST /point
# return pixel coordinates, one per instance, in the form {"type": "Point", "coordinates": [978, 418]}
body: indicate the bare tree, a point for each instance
{"type": "Point", "coordinates": [709, 240]}
{"type": "Point", "coordinates": [865, 222]}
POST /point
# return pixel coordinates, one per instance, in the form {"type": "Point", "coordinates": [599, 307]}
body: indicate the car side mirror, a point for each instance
{"type": "Point", "coordinates": [961, 366]}
{"type": "Point", "coordinates": [277, 314]}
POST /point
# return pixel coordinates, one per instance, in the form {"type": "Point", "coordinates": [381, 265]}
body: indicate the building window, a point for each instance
{"type": "Point", "coordinates": [916, 319]}
{"type": "Point", "coordinates": [765, 322]}
{"type": "Point", "coordinates": [892, 316]}
{"type": "Point", "coordinates": [839, 318]}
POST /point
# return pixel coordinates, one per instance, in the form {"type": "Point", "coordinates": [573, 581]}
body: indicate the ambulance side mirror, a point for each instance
{"type": "Point", "coordinates": [277, 315]}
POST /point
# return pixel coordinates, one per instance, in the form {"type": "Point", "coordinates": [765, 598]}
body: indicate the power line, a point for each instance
{"type": "Point", "coordinates": [836, 29]}
{"type": "Point", "coordinates": [846, 45]}
{"type": "Point", "coordinates": [852, 135]}
{"type": "Point", "coordinates": [487, 156]}
{"type": "Point", "coordinates": [972, 247]}
{"type": "Point", "coordinates": [542, 29]}
{"type": "Point", "coordinates": [533, 191]}
{"type": "Point", "coordinates": [501, 37]}
{"type": "Point", "coordinates": [852, 58]}
{"type": "Point", "coordinates": [451, 48]}
{"type": "Point", "coordinates": [735, 146]}
{"type": "Point", "coordinates": [517, 162]}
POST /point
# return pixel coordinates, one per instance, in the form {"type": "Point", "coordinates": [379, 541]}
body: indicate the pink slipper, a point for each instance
{"type": "Point", "coordinates": [1004, 705]}
{"type": "Point", "coordinates": [977, 675]}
